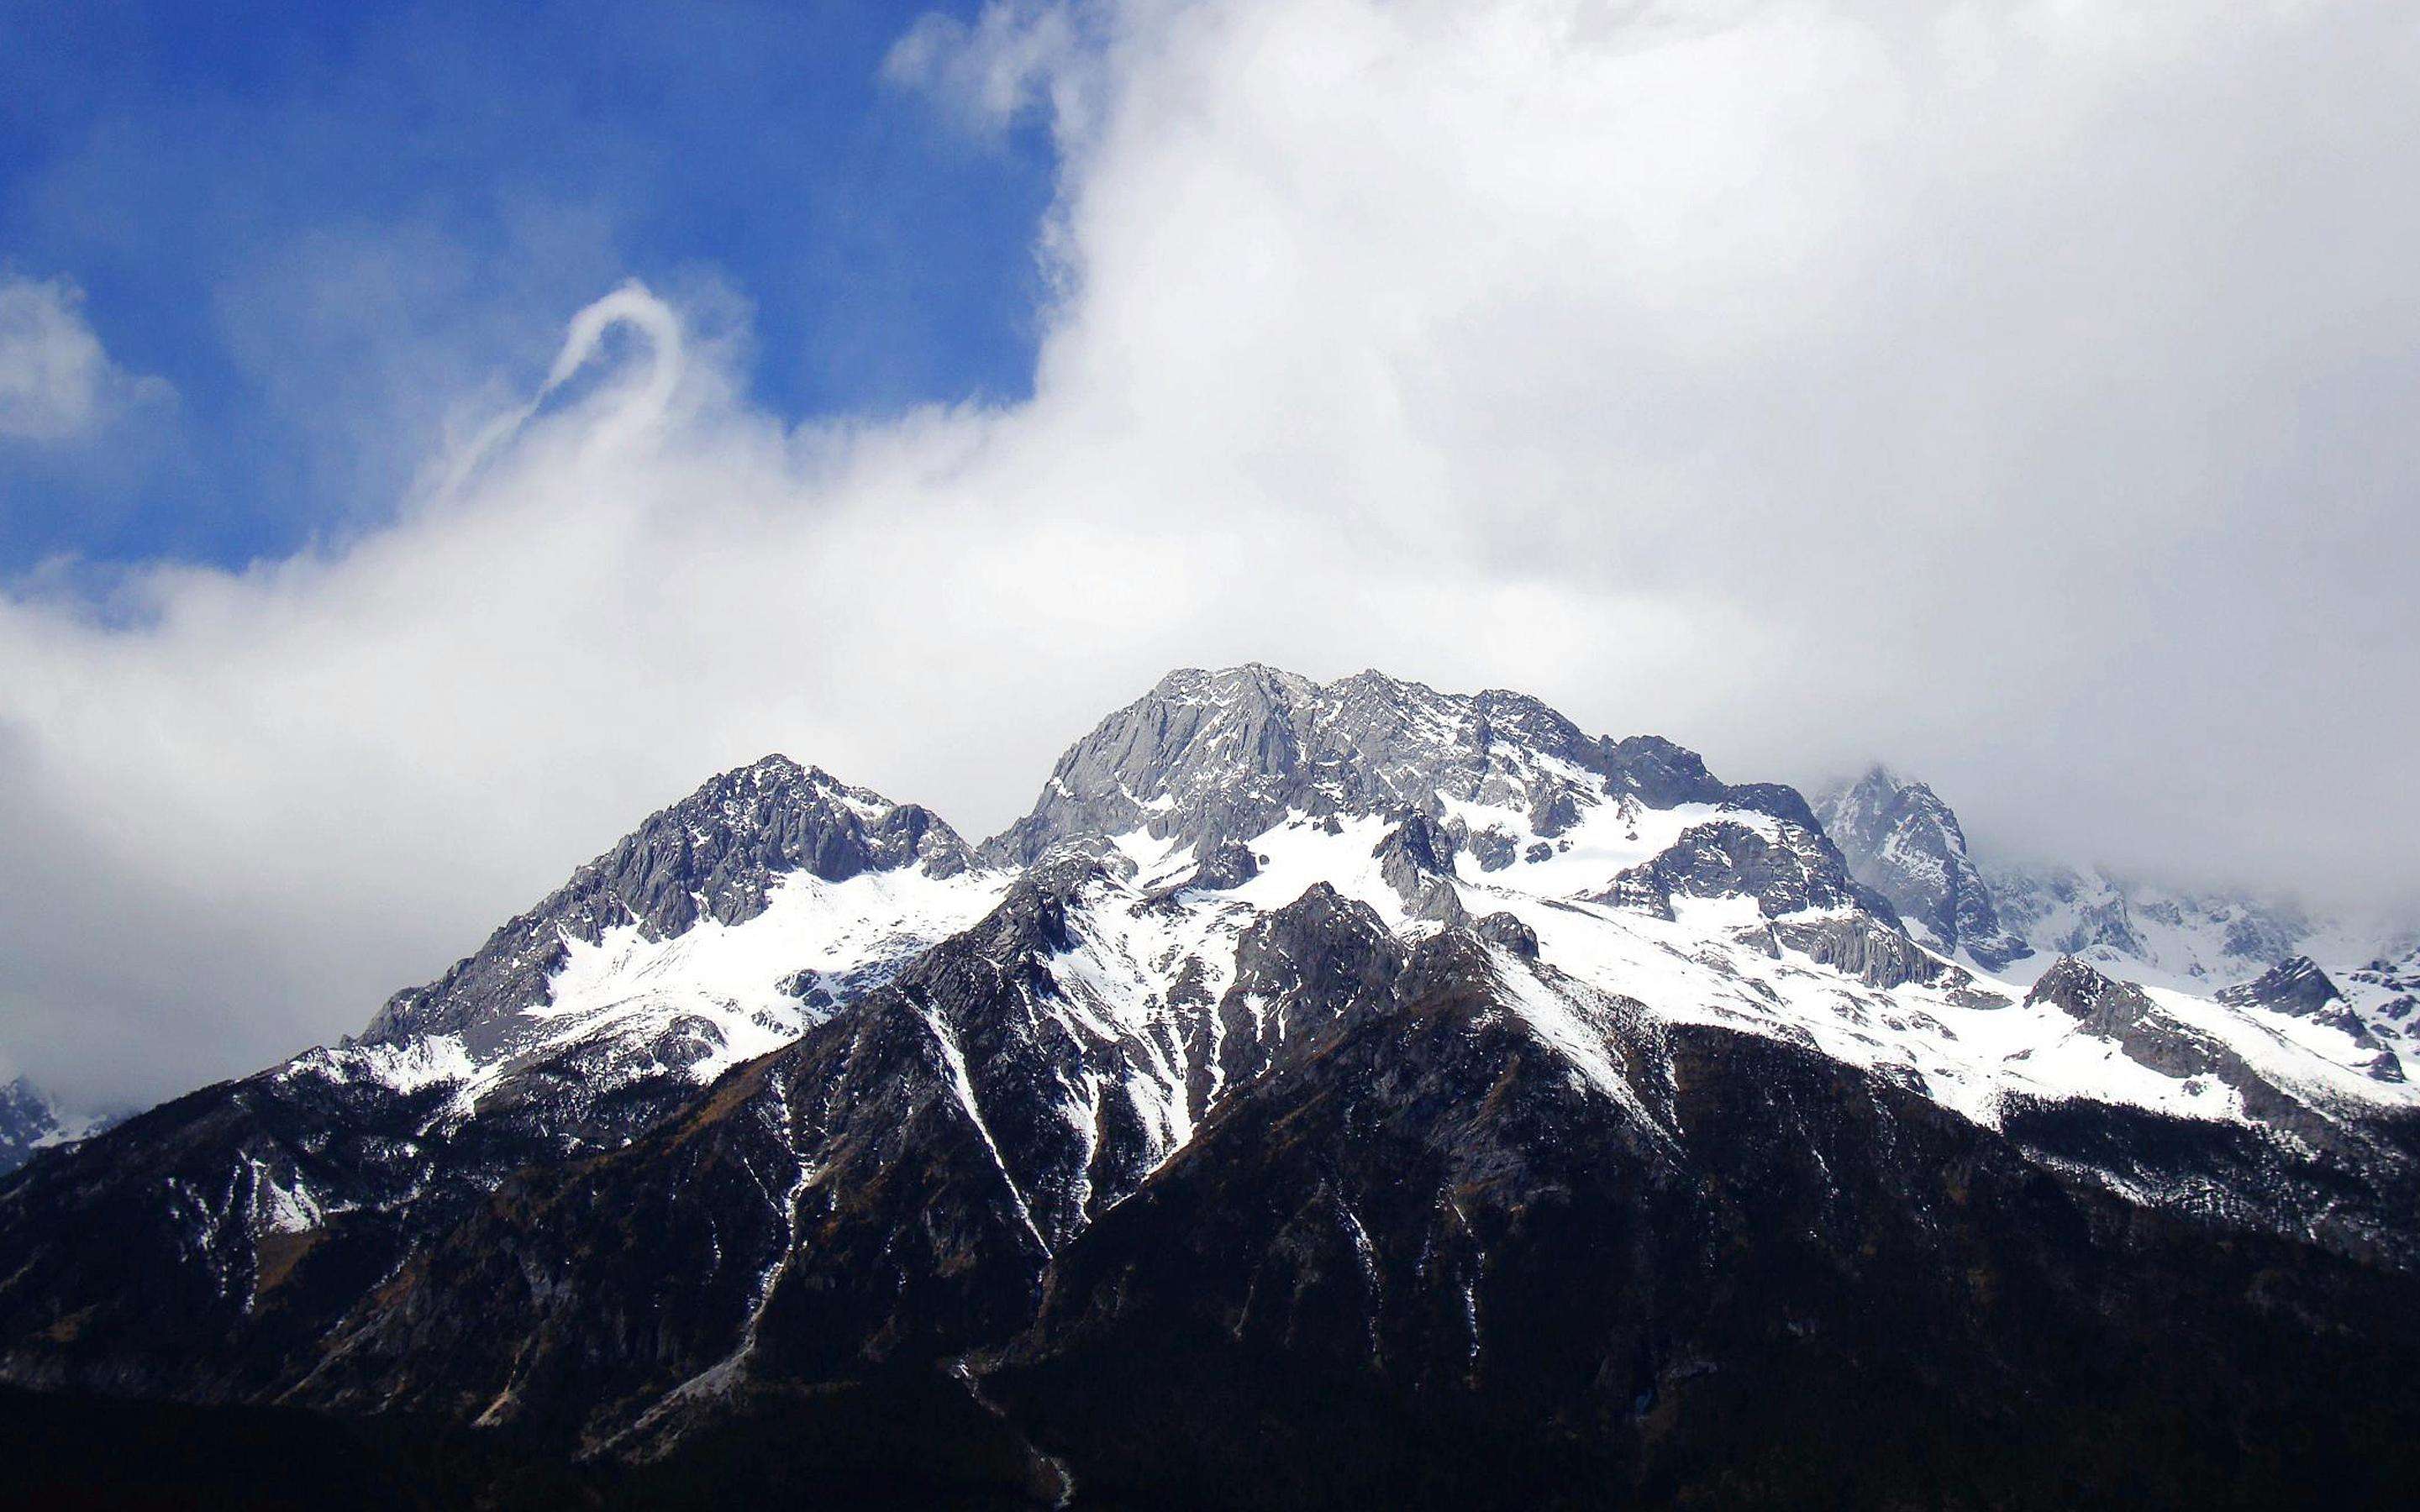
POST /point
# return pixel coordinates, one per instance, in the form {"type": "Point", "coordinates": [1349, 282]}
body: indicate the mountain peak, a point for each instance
{"type": "Point", "coordinates": [1879, 778]}
{"type": "Point", "coordinates": [1220, 685]}
{"type": "Point", "coordinates": [786, 1079]}
{"type": "Point", "coordinates": [27, 1120]}
{"type": "Point", "coordinates": [1212, 756]}
{"type": "Point", "coordinates": [2298, 988]}
{"type": "Point", "coordinates": [1903, 842]}
{"type": "Point", "coordinates": [2101, 1003]}
{"type": "Point", "coordinates": [717, 854]}
{"type": "Point", "coordinates": [2296, 985]}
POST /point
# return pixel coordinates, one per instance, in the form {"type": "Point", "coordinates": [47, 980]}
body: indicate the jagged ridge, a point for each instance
{"type": "Point", "coordinates": [1349, 1044]}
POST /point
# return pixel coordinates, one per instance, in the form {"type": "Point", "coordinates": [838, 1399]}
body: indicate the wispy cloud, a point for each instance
{"type": "Point", "coordinates": [57, 384]}
{"type": "Point", "coordinates": [1016, 57]}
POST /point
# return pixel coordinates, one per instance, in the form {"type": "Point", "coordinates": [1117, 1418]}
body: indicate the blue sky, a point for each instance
{"type": "Point", "coordinates": [319, 225]}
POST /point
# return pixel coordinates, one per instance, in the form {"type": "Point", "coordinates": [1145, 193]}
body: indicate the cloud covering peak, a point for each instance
{"type": "Point", "coordinates": [2016, 389]}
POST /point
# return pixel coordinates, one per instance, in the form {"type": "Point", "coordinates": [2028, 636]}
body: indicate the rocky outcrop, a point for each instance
{"type": "Point", "coordinates": [2152, 1036]}
{"type": "Point", "coordinates": [1786, 868]}
{"type": "Point", "coordinates": [1300, 969]}
{"type": "Point", "coordinates": [2103, 1005]}
{"type": "Point", "coordinates": [2123, 1012]}
{"type": "Point", "coordinates": [717, 855]}
{"type": "Point", "coordinates": [2298, 987]}
{"type": "Point", "coordinates": [27, 1123]}
{"type": "Point", "coordinates": [1229, 866]}
{"type": "Point", "coordinates": [1416, 858]}
{"type": "Point", "coordinates": [1493, 849]}
{"type": "Point", "coordinates": [1507, 932]}
{"type": "Point", "coordinates": [1213, 756]}
{"type": "Point", "coordinates": [1206, 757]}
{"type": "Point", "coordinates": [1864, 947]}
{"type": "Point", "coordinates": [1902, 841]}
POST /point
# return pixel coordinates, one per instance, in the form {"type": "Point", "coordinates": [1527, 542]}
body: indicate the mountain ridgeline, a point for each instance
{"type": "Point", "coordinates": [1328, 1096]}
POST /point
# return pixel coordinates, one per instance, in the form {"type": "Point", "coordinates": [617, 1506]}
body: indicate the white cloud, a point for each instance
{"type": "Point", "coordinates": [1016, 57]}
{"type": "Point", "coordinates": [56, 383]}
{"type": "Point", "coordinates": [2012, 389]}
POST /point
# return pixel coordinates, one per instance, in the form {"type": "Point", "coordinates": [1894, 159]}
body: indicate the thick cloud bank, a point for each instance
{"type": "Point", "coordinates": [2018, 391]}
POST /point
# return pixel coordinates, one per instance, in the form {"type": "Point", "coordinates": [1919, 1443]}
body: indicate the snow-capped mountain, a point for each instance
{"type": "Point", "coordinates": [30, 1121]}
{"type": "Point", "coordinates": [1328, 1094]}
{"type": "Point", "coordinates": [1906, 843]}
{"type": "Point", "coordinates": [2018, 917]}
{"type": "Point", "coordinates": [716, 932]}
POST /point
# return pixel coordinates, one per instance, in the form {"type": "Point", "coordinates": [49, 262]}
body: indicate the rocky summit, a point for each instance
{"type": "Point", "coordinates": [29, 1121]}
{"type": "Point", "coordinates": [1327, 1096]}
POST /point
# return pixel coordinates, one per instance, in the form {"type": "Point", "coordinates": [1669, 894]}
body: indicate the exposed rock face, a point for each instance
{"type": "Point", "coordinates": [1317, 962]}
{"type": "Point", "coordinates": [27, 1123]}
{"type": "Point", "coordinates": [2067, 912]}
{"type": "Point", "coordinates": [1424, 1266]}
{"type": "Point", "coordinates": [1416, 860]}
{"type": "Point", "coordinates": [1210, 756]}
{"type": "Point", "coordinates": [1229, 865]}
{"type": "Point", "coordinates": [1902, 841]}
{"type": "Point", "coordinates": [1864, 949]}
{"type": "Point", "coordinates": [1661, 774]}
{"type": "Point", "coordinates": [1507, 932]}
{"type": "Point", "coordinates": [2102, 1005]}
{"type": "Point", "coordinates": [1496, 849]}
{"type": "Point", "coordinates": [2298, 987]}
{"type": "Point", "coordinates": [1336, 1096]}
{"type": "Point", "coordinates": [715, 854]}
{"type": "Point", "coordinates": [2125, 1013]}
{"type": "Point", "coordinates": [1787, 868]}
{"type": "Point", "coordinates": [2152, 1036]}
